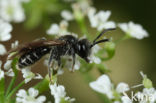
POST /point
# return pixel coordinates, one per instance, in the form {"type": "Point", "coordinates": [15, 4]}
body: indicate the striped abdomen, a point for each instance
{"type": "Point", "coordinates": [32, 56]}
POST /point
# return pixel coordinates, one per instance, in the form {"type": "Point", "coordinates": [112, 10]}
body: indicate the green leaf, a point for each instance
{"type": "Point", "coordinates": [14, 62]}
{"type": "Point", "coordinates": [43, 85]}
{"type": "Point", "coordinates": [147, 83]}
{"type": "Point", "coordinates": [2, 90]}
{"type": "Point", "coordinates": [102, 68]}
{"type": "Point", "coordinates": [109, 49]}
{"type": "Point", "coordinates": [64, 101]}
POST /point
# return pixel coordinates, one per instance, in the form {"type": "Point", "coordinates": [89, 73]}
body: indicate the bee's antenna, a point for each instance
{"type": "Point", "coordinates": [104, 31]}
{"type": "Point", "coordinates": [100, 41]}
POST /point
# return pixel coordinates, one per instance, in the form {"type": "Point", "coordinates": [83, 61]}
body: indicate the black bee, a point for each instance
{"type": "Point", "coordinates": [30, 53]}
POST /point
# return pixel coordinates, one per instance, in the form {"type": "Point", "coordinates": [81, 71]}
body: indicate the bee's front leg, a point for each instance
{"type": "Point", "coordinates": [73, 57]}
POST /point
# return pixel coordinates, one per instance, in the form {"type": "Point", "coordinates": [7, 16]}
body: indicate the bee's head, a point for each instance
{"type": "Point", "coordinates": [83, 47]}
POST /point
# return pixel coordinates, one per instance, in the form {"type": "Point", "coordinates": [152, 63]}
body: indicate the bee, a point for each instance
{"type": "Point", "coordinates": [30, 53]}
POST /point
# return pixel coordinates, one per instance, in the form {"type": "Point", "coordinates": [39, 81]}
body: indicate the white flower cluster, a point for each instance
{"type": "Point", "coordinates": [103, 85]}
{"type": "Point", "coordinates": [28, 75]}
{"type": "Point", "coordinates": [133, 30]}
{"type": "Point", "coordinates": [5, 29]}
{"type": "Point", "coordinates": [100, 20]}
{"type": "Point", "coordinates": [11, 10]}
{"type": "Point", "coordinates": [29, 97]}
{"type": "Point", "coordinates": [58, 91]}
{"type": "Point", "coordinates": [8, 68]}
{"type": "Point", "coordinates": [147, 95]}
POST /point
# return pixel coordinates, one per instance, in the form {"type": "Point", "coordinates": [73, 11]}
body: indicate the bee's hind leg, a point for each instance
{"type": "Point", "coordinates": [50, 64]}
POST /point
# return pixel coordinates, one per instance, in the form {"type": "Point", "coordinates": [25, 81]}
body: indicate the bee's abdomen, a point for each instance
{"type": "Point", "coordinates": [32, 56]}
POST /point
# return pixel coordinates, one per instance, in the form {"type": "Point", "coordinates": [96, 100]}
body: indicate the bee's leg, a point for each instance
{"type": "Point", "coordinates": [58, 66]}
{"type": "Point", "coordinates": [73, 57]}
{"type": "Point", "coordinates": [50, 64]}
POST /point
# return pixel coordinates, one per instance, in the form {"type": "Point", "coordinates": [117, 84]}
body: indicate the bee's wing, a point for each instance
{"type": "Point", "coordinates": [28, 46]}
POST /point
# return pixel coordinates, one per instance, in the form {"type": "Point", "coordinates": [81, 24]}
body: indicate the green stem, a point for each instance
{"type": "Point", "coordinates": [10, 85]}
{"type": "Point", "coordinates": [82, 26]}
{"type": "Point", "coordinates": [15, 89]}
{"type": "Point", "coordinates": [125, 37]}
{"type": "Point", "coordinates": [14, 78]}
{"type": "Point", "coordinates": [43, 85]}
{"type": "Point", "coordinates": [2, 89]}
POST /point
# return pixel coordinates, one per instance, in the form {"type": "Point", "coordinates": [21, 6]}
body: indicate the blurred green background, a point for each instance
{"type": "Point", "coordinates": [131, 56]}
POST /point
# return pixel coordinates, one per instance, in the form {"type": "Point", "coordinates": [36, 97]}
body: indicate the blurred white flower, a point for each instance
{"type": "Point", "coordinates": [58, 91]}
{"type": "Point", "coordinates": [1, 71]}
{"type": "Point", "coordinates": [94, 58]}
{"type": "Point", "coordinates": [28, 75]}
{"type": "Point", "coordinates": [147, 95]}
{"type": "Point", "coordinates": [9, 70]}
{"type": "Point", "coordinates": [11, 10]}
{"type": "Point", "coordinates": [133, 30]}
{"type": "Point", "coordinates": [7, 65]}
{"type": "Point", "coordinates": [15, 44]}
{"type": "Point", "coordinates": [122, 87]}
{"type": "Point", "coordinates": [81, 7]}
{"type": "Point", "coordinates": [5, 29]}
{"type": "Point", "coordinates": [59, 30]}
{"type": "Point", "coordinates": [67, 15]}
{"type": "Point", "coordinates": [103, 85]}
{"type": "Point", "coordinates": [29, 97]}
{"type": "Point", "coordinates": [1, 74]}
{"type": "Point", "coordinates": [100, 20]}
{"type": "Point", "coordinates": [126, 99]}
{"type": "Point", "coordinates": [2, 49]}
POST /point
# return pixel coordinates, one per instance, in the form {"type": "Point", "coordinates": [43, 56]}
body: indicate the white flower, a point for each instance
{"type": "Point", "coordinates": [28, 75]}
{"type": "Point", "coordinates": [5, 29]}
{"type": "Point", "coordinates": [117, 102]}
{"type": "Point", "coordinates": [7, 67]}
{"type": "Point", "coordinates": [1, 71]}
{"type": "Point", "coordinates": [58, 91]}
{"type": "Point", "coordinates": [100, 20]}
{"type": "Point", "coordinates": [15, 44]}
{"type": "Point", "coordinates": [2, 49]}
{"type": "Point", "coordinates": [103, 85]}
{"type": "Point", "coordinates": [1, 74]}
{"type": "Point", "coordinates": [11, 10]}
{"type": "Point", "coordinates": [147, 95]}
{"type": "Point", "coordinates": [126, 99]}
{"type": "Point", "coordinates": [29, 97]}
{"type": "Point", "coordinates": [122, 87]}
{"type": "Point", "coordinates": [81, 7]}
{"type": "Point", "coordinates": [59, 30]}
{"type": "Point", "coordinates": [133, 30]}
{"type": "Point", "coordinates": [67, 15]}
{"type": "Point", "coordinates": [94, 58]}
